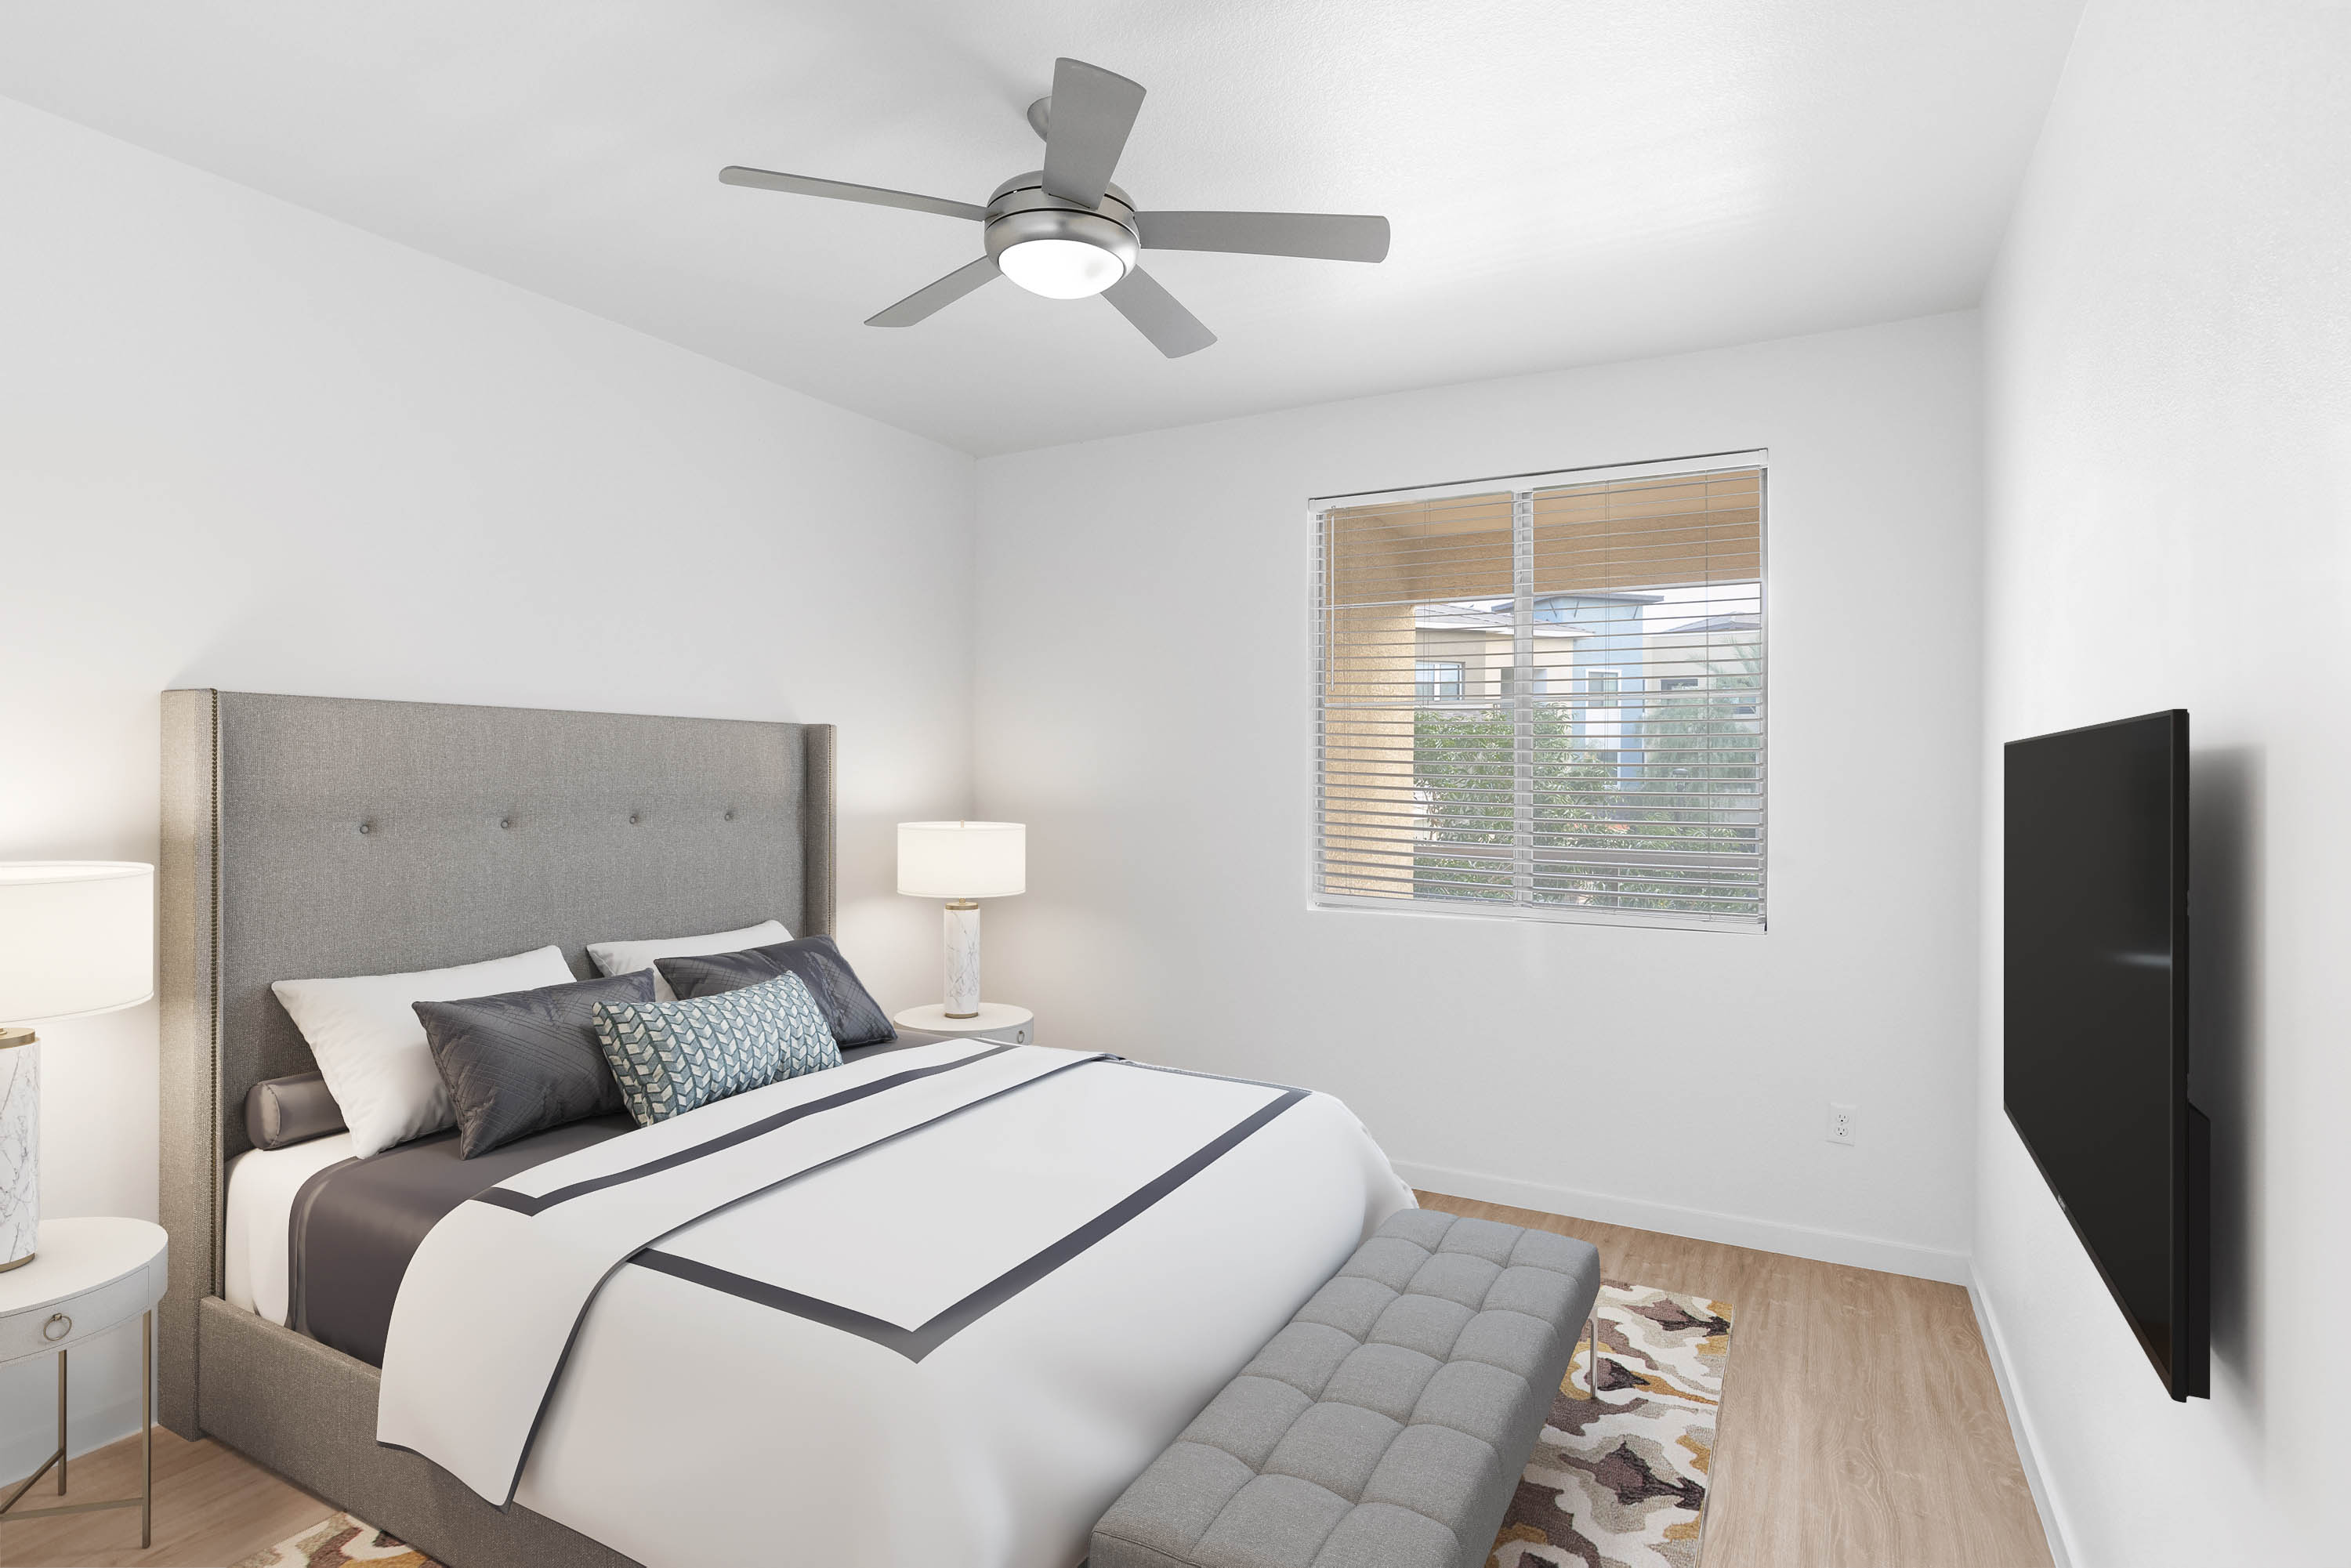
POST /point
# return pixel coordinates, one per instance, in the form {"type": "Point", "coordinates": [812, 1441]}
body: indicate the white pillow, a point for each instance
{"type": "Point", "coordinates": [628, 957]}
{"type": "Point", "coordinates": [371, 1047]}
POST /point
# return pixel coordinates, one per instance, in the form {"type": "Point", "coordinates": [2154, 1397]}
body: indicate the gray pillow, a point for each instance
{"type": "Point", "coordinates": [282, 1110]}
{"type": "Point", "coordinates": [849, 1010]}
{"type": "Point", "coordinates": [527, 1061]}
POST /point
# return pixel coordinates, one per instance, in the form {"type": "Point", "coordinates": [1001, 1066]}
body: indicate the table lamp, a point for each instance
{"type": "Point", "coordinates": [77, 937]}
{"type": "Point", "coordinates": [963, 863]}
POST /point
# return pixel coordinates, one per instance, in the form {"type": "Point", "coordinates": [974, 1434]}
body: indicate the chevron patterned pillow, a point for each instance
{"type": "Point", "coordinates": [670, 1057]}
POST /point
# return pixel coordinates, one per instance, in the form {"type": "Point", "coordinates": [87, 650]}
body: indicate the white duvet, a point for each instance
{"type": "Point", "coordinates": [936, 1308]}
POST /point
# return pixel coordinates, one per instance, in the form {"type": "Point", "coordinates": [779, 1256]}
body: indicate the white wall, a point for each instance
{"type": "Point", "coordinates": [243, 445]}
{"type": "Point", "coordinates": [2169, 431]}
{"type": "Point", "coordinates": [1142, 704]}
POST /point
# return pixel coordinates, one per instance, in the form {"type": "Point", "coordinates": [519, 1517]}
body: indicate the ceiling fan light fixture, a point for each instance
{"type": "Point", "coordinates": [1060, 269]}
{"type": "Point", "coordinates": [1066, 232]}
{"type": "Point", "coordinates": [1059, 251]}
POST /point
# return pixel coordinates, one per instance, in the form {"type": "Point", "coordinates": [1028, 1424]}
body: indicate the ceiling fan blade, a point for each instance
{"type": "Point", "coordinates": [1332, 236]}
{"type": "Point", "coordinates": [842, 191]}
{"type": "Point", "coordinates": [1173, 331]}
{"type": "Point", "coordinates": [934, 296]}
{"type": "Point", "coordinates": [1092, 109]}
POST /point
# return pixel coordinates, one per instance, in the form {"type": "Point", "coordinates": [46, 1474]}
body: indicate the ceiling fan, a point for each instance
{"type": "Point", "coordinates": [1065, 232]}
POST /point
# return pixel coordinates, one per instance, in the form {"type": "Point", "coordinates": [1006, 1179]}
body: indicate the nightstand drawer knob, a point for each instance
{"type": "Point", "coordinates": [57, 1328]}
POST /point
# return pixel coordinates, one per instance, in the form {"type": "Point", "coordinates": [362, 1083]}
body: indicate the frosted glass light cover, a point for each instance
{"type": "Point", "coordinates": [76, 936]}
{"type": "Point", "coordinates": [1060, 269]}
{"type": "Point", "coordinates": [963, 860]}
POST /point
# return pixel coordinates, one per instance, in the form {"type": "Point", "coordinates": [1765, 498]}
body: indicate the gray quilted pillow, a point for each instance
{"type": "Point", "coordinates": [523, 1062]}
{"type": "Point", "coordinates": [671, 1057]}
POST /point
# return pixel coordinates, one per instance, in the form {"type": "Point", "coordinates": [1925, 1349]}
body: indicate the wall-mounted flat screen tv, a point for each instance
{"type": "Point", "coordinates": [2095, 1048]}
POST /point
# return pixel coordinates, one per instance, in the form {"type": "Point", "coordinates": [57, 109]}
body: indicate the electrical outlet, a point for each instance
{"type": "Point", "coordinates": [1842, 1121]}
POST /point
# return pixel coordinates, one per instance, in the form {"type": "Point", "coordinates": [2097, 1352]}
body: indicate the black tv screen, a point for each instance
{"type": "Point", "coordinates": [2096, 1047]}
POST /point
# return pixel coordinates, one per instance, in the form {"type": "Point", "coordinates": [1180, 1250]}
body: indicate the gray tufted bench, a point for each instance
{"type": "Point", "coordinates": [1387, 1425]}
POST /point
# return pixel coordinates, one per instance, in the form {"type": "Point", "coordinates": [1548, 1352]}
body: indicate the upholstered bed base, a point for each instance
{"type": "Point", "coordinates": [309, 1412]}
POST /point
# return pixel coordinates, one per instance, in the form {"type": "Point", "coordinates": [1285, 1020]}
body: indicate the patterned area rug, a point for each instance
{"type": "Point", "coordinates": [331, 1543]}
{"type": "Point", "coordinates": [1620, 1481]}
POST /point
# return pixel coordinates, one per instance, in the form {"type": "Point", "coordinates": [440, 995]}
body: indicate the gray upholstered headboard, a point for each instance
{"type": "Point", "coordinates": [309, 836]}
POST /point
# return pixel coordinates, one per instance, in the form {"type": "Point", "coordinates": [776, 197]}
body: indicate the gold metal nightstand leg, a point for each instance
{"type": "Point", "coordinates": [147, 1431]}
{"type": "Point", "coordinates": [57, 1459]}
{"type": "Point", "coordinates": [145, 1501]}
{"type": "Point", "coordinates": [23, 1486]}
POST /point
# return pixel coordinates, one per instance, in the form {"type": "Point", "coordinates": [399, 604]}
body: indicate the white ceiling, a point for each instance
{"type": "Point", "coordinates": [1569, 182]}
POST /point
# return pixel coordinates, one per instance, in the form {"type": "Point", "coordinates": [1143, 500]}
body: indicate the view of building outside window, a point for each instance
{"type": "Point", "coordinates": [1436, 678]}
{"type": "Point", "coordinates": [1583, 731]}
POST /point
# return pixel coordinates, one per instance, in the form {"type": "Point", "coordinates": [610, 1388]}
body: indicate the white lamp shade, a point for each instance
{"type": "Point", "coordinates": [963, 860]}
{"type": "Point", "coordinates": [76, 936]}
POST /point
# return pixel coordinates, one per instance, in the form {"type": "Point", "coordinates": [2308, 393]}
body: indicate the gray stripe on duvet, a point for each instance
{"type": "Point", "coordinates": [528, 1204]}
{"type": "Point", "coordinates": [914, 1343]}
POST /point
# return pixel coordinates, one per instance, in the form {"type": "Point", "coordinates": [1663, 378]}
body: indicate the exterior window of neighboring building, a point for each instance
{"type": "Point", "coordinates": [1545, 698]}
{"type": "Point", "coordinates": [1436, 679]}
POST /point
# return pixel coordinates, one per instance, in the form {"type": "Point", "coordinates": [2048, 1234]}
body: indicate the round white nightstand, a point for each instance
{"type": "Point", "coordinates": [86, 1275]}
{"type": "Point", "coordinates": [997, 1021]}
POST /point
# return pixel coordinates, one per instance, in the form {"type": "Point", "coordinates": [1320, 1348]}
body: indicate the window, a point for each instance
{"type": "Point", "coordinates": [1611, 764]}
{"type": "Point", "coordinates": [1436, 678]}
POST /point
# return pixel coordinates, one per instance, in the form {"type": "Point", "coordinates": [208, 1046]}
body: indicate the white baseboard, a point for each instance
{"type": "Point", "coordinates": [2019, 1427]}
{"type": "Point", "coordinates": [1704, 1225]}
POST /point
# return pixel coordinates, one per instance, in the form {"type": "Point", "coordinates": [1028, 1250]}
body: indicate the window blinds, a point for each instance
{"type": "Point", "coordinates": [1546, 696]}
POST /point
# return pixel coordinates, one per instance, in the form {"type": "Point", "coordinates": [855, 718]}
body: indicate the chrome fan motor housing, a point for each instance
{"type": "Point", "coordinates": [1029, 190]}
{"type": "Point", "coordinates": [1021, 210]}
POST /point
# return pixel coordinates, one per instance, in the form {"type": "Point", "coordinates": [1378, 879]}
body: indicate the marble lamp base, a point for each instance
{"type": "Point", "coordinates": [20, 1146]}
{"type": "Point", "coordinates": [963, 958]}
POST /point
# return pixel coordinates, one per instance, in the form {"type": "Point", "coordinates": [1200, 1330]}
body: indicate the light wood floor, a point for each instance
{"type": "Point", "coordinates": [212, 1507]}
{"type": "Point", "coordinates": [1861, 1426]}
{"type": "Point", "coordinates": [1861, 1429]}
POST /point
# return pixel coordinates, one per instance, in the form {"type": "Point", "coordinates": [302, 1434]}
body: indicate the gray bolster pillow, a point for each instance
{"type": "Point", "coordinates": [282, 1110]}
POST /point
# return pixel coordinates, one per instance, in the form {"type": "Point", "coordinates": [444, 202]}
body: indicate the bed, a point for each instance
{"type": "Point", "coordinates": [893, 1312]}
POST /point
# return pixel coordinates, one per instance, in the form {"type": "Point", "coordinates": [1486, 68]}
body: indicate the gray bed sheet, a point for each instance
{"type": "Point", "coordinates": [355, 1225]}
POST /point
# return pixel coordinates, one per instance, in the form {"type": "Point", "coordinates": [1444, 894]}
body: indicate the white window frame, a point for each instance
{"type": "Point", "coordinates": [1460, 668]}
{"type": "Point", "coordinates": [1317, 899]}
